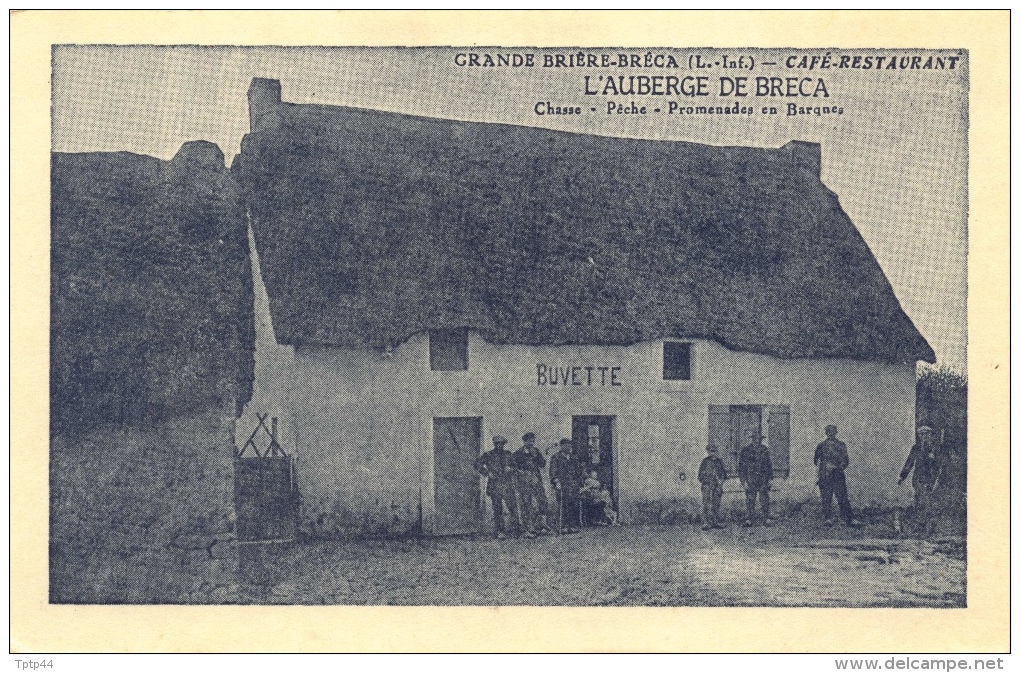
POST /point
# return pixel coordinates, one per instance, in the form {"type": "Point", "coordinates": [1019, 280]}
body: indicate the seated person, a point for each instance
{"type": "Point", "coordinates": [594, 494]}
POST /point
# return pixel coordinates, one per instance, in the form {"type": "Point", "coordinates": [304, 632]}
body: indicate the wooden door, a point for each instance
{"type": "Point", "coordinates": [458, 497]}
{"type": "Point", "coordinates": [265, 499]}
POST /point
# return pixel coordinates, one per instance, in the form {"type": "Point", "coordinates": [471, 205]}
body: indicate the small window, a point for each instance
{"type": "Point", "coordinates": [676, 361]}
{"type": "Point", "coordinates": [448, 350]}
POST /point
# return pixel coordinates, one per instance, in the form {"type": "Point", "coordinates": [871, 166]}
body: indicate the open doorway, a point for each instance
{"type": "Point", "coordinates": [593, 444]}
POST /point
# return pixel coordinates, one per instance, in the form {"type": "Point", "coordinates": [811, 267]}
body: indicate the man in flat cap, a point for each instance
{"type": "Point", "coordinates": [924, 461]}
{"type": "Point", "coordinates": [565, 472]}
{"type": "Point", "coordinates": [831, 458]}
{"type": "Point", "coordinates": [534, 504]}
{"type": "Point", "coordinates": [497, 466]}
{"type": "Point", "coordinates": [755, 470]}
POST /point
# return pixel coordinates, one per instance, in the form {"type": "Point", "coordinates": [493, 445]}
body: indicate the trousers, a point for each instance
{"type": "Point", "coordinates": [711, 497]}
{"type": "Point", "coordinates": [498, 499]}
{"type": "Point", "coordinates": [925, 516]}
{"type": "Point", "coordinates": [835, 485]}
{"type": "Point", "coordinates": [569, 508]}
{"type": "Point", "coordinates": [761, 494]}
{"type": "Point", "coordinates": [533, 500]}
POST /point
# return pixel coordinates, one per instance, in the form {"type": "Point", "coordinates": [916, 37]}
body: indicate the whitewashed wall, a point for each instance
{"type": "Point", "coordinates": [274, 369]}
{"type": "Point", "coordinates": [363, 421]}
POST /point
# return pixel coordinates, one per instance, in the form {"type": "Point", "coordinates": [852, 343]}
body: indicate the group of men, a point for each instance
{"type": "Point", "coordinates": [515, 486]}
{"type": "Point", "coordinates": [754, 468]}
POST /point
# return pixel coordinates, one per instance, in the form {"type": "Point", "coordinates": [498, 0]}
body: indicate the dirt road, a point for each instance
{"type": "Point", "coordinates": [627, 565]}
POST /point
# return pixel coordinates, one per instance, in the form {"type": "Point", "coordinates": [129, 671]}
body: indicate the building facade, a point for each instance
{"type": "Point", "coordinates": [422, 310]}
{"type": "Point", "coordinates": [386, 442]}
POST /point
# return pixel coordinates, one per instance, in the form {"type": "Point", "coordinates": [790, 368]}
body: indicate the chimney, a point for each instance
{"type": "Point", "coordinates": [263, 97]}
{"type": "Point", "coordinates": [805, 155]}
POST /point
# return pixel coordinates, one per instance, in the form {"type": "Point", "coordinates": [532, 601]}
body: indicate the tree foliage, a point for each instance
{"type": "Point", "coordinates": [941, 403]}
{"type": "Point", "coordinates": [149, 278]}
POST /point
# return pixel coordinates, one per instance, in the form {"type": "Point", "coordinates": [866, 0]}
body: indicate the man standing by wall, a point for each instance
{"type": "Point", "coordinates": [534, 505]}
{"type": "Point", "coordinates": [497, 466]}
{"type": "Point", "coordinates": [755, 470]}
{"type": "Point", "coordinates": [831, 458]}
{"type": "Point", "coordinates": [711, 474]}
{"type": "Point", "coordinates": [924, 461]}
{"type": "Point", "coordinates": [565, 475]}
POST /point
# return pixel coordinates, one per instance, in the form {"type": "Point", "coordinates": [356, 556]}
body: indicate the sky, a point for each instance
{"type": "Point", "coordinates": [896, 156]}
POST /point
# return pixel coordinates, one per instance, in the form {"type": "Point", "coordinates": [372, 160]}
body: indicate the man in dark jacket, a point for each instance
{"type": "Point", "coordinates": [534, 504]}
{"type": "Point", "coordinates": [927, 468]}
{"type": "Point", "coordinates": [497, 466]}
{"type": "Point", "coordinates": [711, 474]}
{"type": "Point", "coordinates": [755, 471]}
{"type": "Point", "coordinates": [831, 458]}
{"type": "Point", "coordinates": [565, 475]}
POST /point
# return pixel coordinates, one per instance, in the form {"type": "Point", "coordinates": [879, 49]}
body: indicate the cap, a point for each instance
{"type": "Point", "coordinates": [499, 439]}
{"type": "Point", "coordinates": [566, 442]}
{"type": "Point", "coordinates": [528, 437]}
{"type": "Point", "coordinates": [712, 448]}
{"type": "Point", "coordinates": [830, 428]}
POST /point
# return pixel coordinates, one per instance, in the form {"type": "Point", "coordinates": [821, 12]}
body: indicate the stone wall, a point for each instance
{"type": "Point", "coordinates": [144, 516]}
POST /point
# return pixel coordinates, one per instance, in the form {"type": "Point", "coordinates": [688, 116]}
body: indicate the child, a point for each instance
{"type": "Point", "coordinates": [594, 493]}
{"type": "Point", "coordinates": [711, 474]}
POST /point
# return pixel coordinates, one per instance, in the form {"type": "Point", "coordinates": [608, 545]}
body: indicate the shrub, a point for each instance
{"type": "Point", "coordinates": [941, 403]}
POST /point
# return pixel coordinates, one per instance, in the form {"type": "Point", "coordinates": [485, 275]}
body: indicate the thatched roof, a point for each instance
{"type": "Point", "coordinates": [373, 226]}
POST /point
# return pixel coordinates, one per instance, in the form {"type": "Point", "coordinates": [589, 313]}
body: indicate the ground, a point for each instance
{"type": "Point", "coordinates": [145, 517]}
{"type": "Point", "coordinates": [786, 565]}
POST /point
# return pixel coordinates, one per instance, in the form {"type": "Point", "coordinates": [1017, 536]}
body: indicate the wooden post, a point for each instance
{"type": "Point", "coordinates": [274, 446]}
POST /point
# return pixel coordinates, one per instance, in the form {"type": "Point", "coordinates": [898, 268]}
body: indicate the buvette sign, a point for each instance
{"type": "Point", "coordinates": [573, 375]}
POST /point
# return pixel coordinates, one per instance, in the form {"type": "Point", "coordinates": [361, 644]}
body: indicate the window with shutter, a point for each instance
{"type": "Point", "coordinates": [732, 427]}
{"type": "Point", "coordinates": [720, 434]}
{"type": "Point", "coordinates": [779, 440]}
